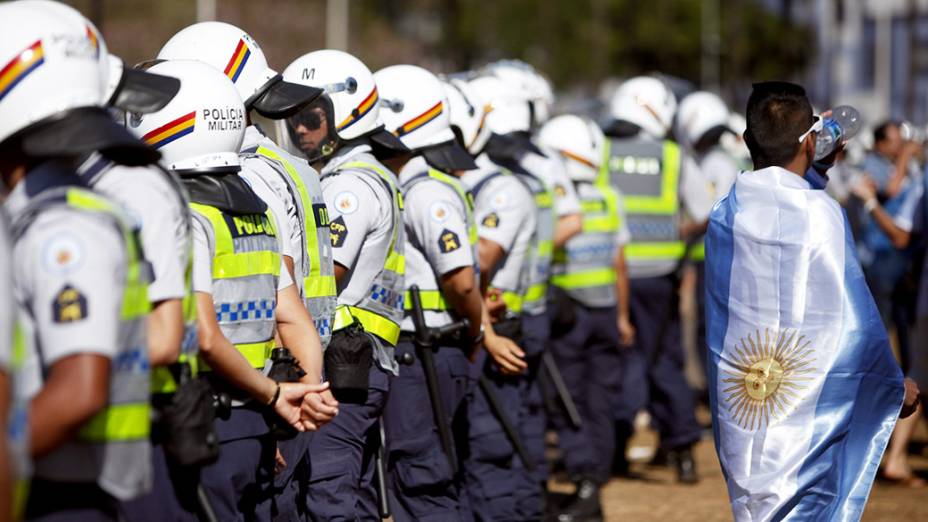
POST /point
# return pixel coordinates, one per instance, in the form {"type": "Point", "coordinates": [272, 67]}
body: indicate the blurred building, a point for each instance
{"type": "Point", "coordinates": [872, 54]}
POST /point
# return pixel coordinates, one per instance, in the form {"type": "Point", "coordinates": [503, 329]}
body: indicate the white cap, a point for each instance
{"type": "Point", "coordinates": [647, 102]}
{"type": "Point", "coordinates": [579, 141]}
{"type": "Point", "coordinates": [700, 112]}
{"type": "Point", "coordinates": [202, 128]}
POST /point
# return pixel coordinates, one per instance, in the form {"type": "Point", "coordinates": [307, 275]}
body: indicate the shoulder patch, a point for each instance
{"type": "Point", "coordinates": [500, 201]}
{"type": "Point", "coordinates": [69, 305]}
{"type": "Point", "coordinates": [62, 254]}
{"type": "Point", "coordinates": [448, 241]}
{"type": "Point", "coordinates": [338, 231]}
{"type": "Point", "coordinates": [559, 190]}
{"type": "Point", "coordinates": [439, 211]}
{"type": "Point", "coordinates": [491, 220]}
{"type": "Point", "coordinates": [346, 202]}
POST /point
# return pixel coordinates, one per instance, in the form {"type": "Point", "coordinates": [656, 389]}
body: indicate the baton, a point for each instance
{"type": "Point", "coordinates": [557, 380]}
{"type": "Point", "coordinates": [206, 508]}
{"type": "Point", "coordinates": [487, 388]}
{"type": "Point", "coordinates": [380, 475]}
{"type": "Point", "coordinates": [424, 344]}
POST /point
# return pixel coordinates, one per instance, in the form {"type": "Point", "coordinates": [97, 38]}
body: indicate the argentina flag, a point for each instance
{"type": "Point", "coordinates": [804, 387]}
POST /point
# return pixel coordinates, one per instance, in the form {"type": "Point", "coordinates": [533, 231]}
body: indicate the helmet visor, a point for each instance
{"type": "Point", "coordinates": [281, 99]}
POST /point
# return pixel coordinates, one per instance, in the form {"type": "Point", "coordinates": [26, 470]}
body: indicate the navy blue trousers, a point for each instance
{"type": "Point", "coordinates": [652, 372]}
{"type": "Point", "coordinates": [422, 483]}
{"type": "Point", "coordinates": [240, 485]}
{"type": "Point", "coordinates": [341, 464]}
{"type": "Point", "coordinates": [587, 354]}
{"type": "Point", "coordinates": [531, 485]}
{"type": "Point", "coordinates": [173, 494]}
{"type": "Point", "coordinates": [490, 478]}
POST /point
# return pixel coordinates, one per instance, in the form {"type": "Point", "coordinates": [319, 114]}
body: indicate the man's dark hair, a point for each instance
{"type": "Point", "coordinates": [879, 133]}
{"type": "Point", "coordinates": [777, 114]}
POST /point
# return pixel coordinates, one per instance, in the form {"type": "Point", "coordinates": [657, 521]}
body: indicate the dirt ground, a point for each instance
{"type": "Point", "coordinates": [653, 494]}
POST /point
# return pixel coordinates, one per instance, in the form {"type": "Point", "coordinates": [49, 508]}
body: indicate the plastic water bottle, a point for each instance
{"type": "Point", "coordinates": [843, 125]}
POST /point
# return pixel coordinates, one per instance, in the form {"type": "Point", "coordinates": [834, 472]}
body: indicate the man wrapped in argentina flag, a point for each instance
{"type": "Point", "coordinates": [804, 387]}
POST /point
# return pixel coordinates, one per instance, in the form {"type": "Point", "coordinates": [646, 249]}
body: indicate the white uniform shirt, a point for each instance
{"type": "Point", "coordinates": [436, 236]}
{"type": "Point", "coordinates": [505, 213]}
{"type": "Point", "coordinates": [278, 207]}
{"type": "Point", "coordinates": [7, 305]}
{"type": "Point", "coordinates": [65, 250]}
{"type": "Point", "coordinates": [253, 168]}
{"type": "Point", "coordinates": [361, 221]}
{"type": "Point", "coordinates": [695, 189]}
{"type": "Point", "coordinates": [363, 209]}
{"type": "Point", "coordinates": [153, 201]}
{"type": "Point", "coordinates": [553, 172]}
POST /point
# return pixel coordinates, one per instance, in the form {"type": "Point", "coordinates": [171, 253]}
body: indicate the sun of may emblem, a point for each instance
{"type": "Point", "coordinates": [768, 373]}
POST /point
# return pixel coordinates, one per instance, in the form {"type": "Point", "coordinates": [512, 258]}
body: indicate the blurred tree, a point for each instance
{"type": "Point", "coordinates": [578, 43]}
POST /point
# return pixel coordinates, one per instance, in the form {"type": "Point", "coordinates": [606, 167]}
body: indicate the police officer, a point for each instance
{"type": "Point", "coordinates": [243, 289]}
{"type": "Point", "coordinates": [546, 174]}
{"type": "Point", "coordinates": [441, 240]}
{"type": "Point", "coordinates": [590, 270]}
{"type": "Point", "coordinates": [337, 134]}
{"type": "Point", "coordinates": [701, 123]}
{"type": "Point", "coordinates": [505, 215]}
{"type": "Point", "coordinates": [157, 203]}
{"type": "Point", "coordinates": [77, 274]}
{"type": "Point", "coordinates": [660, 186]}
{"type": "Point", "coordinates": [288, 185]}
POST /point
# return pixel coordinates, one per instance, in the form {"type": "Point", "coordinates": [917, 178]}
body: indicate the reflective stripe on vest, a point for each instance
{"type": "Point", "coordinates": [513, 300]}
{"type": "Point", "coordinates": [377, 316]}
{"type": "Point", "coordinates": [128, 420]}
{"type": "Point", "coordinates": [698, 251]}
{"type": "Point", "coordinates": [316, 283]}
{"type": "Point", "coordinates": [244, 281]}
{"type": "Point", "coordinates": [650, 187]}
{"type": "Point", "coordinates": [539, 261]}
{"type": "Point", "coordinates": [112, 445]}
{"type": "Point", "coordinates": [372, 323]}
{"type": "Point", "coordinates": [585, 265]}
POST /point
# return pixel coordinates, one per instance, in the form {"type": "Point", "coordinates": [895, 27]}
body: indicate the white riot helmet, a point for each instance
{"type": "Point", "coordinates": [234, 52]}
{"type": "Point", "coordinates": [536, 87]}
{"type": "Point", "coordinates": [51, 87]}
{"type": "Point", "coordinates": [468, 114]}
{"type": "Point", "coordinates": [349, 105]}
{"type": "Point", "coordinates": [647, 102]}
{"type": "Point", "coordinates": [511, 112]}
{"type": "Point", "coordinates": [699, 113]}
{"type": "Point", "coordinates": [125, 88]}
{"type": "Point", "coordinates": [202, 128]}
{"type": "Point", "coordinates": [414, 108]}
{"type": "Point", "coordinates": [579, 141]}
{"type": "Point", "coordinates": [733, 142]}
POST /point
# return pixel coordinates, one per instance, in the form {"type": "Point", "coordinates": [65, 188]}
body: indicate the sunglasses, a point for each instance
{"type": "Point", "coordinates": [816, 127]}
